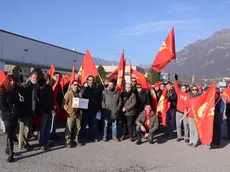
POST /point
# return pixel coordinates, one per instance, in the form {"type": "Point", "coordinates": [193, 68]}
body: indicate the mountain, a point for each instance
{"type": "Point", "coordinates": [100, 61]}
{"type": "Point", "coordinates": [204, 58]}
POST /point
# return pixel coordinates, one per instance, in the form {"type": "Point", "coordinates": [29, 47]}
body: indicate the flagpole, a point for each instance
{"type": "Point", "coordinates": [101, 80]}
{"type": "Point", "coordinates": [191, 109]}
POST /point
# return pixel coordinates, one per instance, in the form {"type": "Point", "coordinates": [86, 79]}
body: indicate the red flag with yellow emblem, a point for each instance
{"type": "Point", "coordinates": [162, 107]}
{"type": "Point", "coordinates": [203, 112]}
{"type": "Point", "coordinates": [87, 68]}
{"type": "Point", "coordinates": [166, 53]}
{"type": "Point", "coordinates": [112, 75]}
{"type": "Point", "coordinates": [226, 94]}
{"type": "Point", "coordinates": [121, 73]}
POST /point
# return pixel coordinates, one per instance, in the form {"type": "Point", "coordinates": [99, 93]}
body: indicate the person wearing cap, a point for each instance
{"type": "Point", "coordinates": [147, 124]}
{"type": "Point", "coordinates": [183, 97]}
{"type": "Point", "coordinates": [171, 113]}
{"type": "Point", "coordinates": [218, 117]}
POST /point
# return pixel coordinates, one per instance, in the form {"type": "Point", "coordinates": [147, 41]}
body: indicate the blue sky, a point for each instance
{"type": "Point", "coordinates": [107, 26]}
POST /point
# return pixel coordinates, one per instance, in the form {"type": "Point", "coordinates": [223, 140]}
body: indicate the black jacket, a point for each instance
{"type": "Point", "coordinates": [227, 111]}
{"type": "Point", "coordinates": [46, 99]}
{"type": "Point", "coordinates": [158, 94]}
{"type": "Point", "coordinates": [27, 90]}
{"type": "Point", "coordinates": [94, 96]}
{"type": "Point", "coordinates": [60, 94]}
{"type": "Point", "coordinates": [143, 98]}
{"type": "Point", "coordinates": [10, 105]}
{"type": "Point", "coordinates": [172, 98]}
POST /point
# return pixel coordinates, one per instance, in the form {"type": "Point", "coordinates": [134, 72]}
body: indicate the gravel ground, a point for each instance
{"type": "Point", "coordinates": [164, 156]}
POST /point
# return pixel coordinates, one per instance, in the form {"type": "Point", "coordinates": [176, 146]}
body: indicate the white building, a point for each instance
{"type": "Point", "coordinates": [27, 53]}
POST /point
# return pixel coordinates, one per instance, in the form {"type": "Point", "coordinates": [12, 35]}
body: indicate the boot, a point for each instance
{"type": "Point", "coordinates": [138, 138]}
{"type": "Point", "coordinates": [7, 151]}
{"type": "Point", "coordinates": [10, 157]}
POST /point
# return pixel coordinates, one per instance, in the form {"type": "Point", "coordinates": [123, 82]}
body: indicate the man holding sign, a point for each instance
{"type": "Point", "coordinates": [74, 115]}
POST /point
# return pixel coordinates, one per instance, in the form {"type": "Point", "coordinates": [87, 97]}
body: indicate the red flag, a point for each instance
{"type": "Point", "coordinates": [52, 70]}
{"type": "Point", "coordinates": [2, 76]}
{"type": "Point", "coordinates": [65, 80]}
{"type": "Point", "coordinates": [166, 53]}
{"type": "Point", "coordinates": [162, 107]}
{"type": "Point", "coordinates": [87, 68]}
{"type": "Point", "coordinates": [226, 94]}
{"type": "Point", "coordinates": [121, 73]}
{"type": "Point", "coordinates": [112, 75]}
{"type": "Point", "coordinates": [140, 78]}
{"type": "Point", "coordinates": [203, 111]}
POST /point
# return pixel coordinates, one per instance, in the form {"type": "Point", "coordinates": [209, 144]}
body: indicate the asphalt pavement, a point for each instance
{"type": "Point", "coordinates": [163, 156]}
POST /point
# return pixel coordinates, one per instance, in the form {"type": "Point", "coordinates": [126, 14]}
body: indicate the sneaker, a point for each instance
{"type": "Point", "coordinates": [186, 140]}
{"type": "Point", "coordinates": [105, 139]}
{"type": "Point", "coordinates": [123, 137]}
{"type": "Point", "coordinates": [190, 144]}
{"type": "Point", "coordinates": [68, 145]}
{"type": "Point", "coordinates": [151, 142]}
{"type": "Point", "coordinates": [179, 139]}
{"type": "Point", "coordinates": [44, 148]}
{"type": "Point", "coordinates": [138, 142]}
{"type": "Point", "coordinates": [116, 139]}
{"type": "Point", "coordinates": [131, 139]}
{"type": "Point", "coordinates": [195, 145]}
{"type": "Point", "coordinates": [79, 143]}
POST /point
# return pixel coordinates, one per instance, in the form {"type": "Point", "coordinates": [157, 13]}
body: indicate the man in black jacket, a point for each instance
{"type": "Point", "coordinates": [58, 99]}
{"type": "Point", "coordinates": [171, 113]}
{"type": "Point", "coordinates": [30, 93]}
{"type": "Point", "coordinates": [143, 98]}
{"type": "Point", "coordinates": [46, 99]}
{"type": "Point", "coordinates": [91, 92]}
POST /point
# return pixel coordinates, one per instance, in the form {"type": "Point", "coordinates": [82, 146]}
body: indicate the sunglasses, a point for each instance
{"type": "Point", "coordinates": [139, 87]}
{"type": "Point", "coordinates": [194, 89]}
{"type": "Point", "coordinates": [74, 84]}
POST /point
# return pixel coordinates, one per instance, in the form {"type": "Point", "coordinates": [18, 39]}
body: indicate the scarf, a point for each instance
{"type": "Point", "coordinates": [147, 120]}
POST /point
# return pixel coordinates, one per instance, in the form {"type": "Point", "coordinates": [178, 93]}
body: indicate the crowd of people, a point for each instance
{"type": "Point", "coordinates": [131, 113]}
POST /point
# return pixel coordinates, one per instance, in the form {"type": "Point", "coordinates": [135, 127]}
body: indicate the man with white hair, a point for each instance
{"type": "Point", "coordinates": [129, 103]}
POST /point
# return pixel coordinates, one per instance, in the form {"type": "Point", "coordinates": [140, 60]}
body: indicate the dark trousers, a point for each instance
{"type": "Point", "coordinates": [128, 123]}
{"type": "Point", "coordinates": [228, 126]}
{"type": "Point", "coordinates": [10, 132]}
{"type": "Point", "coordinates": [45, 126]}
{"type": "Point", "coordinates": [91, 123]}
{"type": "Point", "coordinates": [171, 121]}
{"type": "Point", "coordinates": [140, 134]}
{"type": "Point", "coordinates": [216, 137]}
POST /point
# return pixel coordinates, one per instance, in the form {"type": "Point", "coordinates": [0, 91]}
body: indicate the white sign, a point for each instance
{"type": "Point", "coordinates": [80, 103]}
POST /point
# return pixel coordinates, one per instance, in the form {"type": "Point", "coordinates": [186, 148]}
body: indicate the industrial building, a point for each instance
{"type": "Point", "coordinates": [26, 54]}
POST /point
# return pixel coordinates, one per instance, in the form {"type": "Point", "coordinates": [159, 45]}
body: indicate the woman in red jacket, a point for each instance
{"type": "Point", "coordinates": [182, 98]}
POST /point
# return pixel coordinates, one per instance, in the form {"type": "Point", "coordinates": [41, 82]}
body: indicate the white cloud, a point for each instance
{"type": "Point", "coordinates": [150, 27]}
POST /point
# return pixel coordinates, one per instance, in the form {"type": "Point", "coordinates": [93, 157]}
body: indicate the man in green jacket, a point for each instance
{"type": "Point", "coordinates": [147, 123]}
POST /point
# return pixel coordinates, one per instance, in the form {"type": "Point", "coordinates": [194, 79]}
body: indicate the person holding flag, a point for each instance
{"type": "Point", "coordinates": [218, 117]}
{"type": "Point", "coordinates": [194, 138]}
{"type": "Point", "coordinates": [171, 113]}
{"type": "Point", "coordinates": [183, 97]}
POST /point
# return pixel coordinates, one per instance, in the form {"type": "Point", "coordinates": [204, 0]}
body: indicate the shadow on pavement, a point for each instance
{"type": "Point", "coordinates": [38, 153]}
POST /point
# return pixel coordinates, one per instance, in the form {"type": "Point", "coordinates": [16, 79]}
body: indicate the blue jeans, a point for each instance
{"type": "Point", "coordinates": [170, 121]}
{"type": "Point", "coordinates": [114, 128]}
{"type": "Point", "coordinates": [45, 124]}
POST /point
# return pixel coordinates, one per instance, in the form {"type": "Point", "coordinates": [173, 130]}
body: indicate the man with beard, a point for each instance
{"type": "Point", "coordinates": [111, 104]}
{"type": "Point", "coordinates": [74, 116]}
{"type": "Point", "coordinates": [30, 93]}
